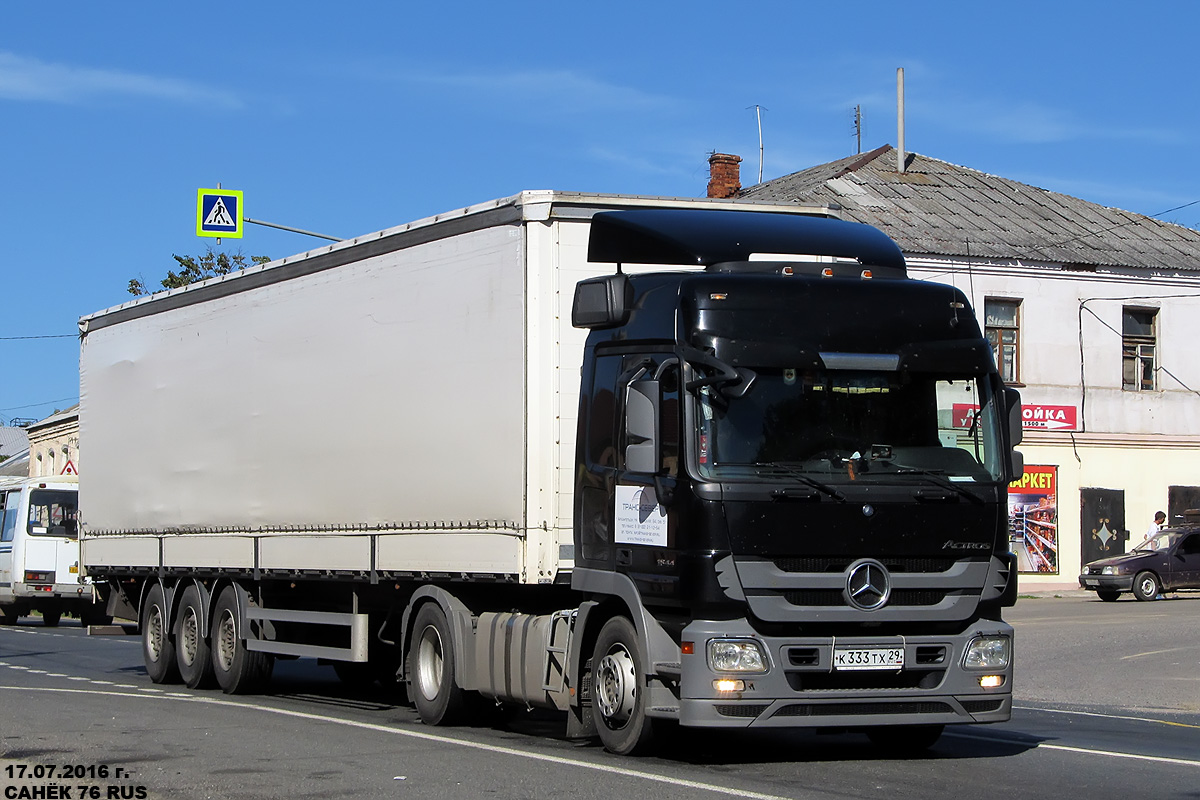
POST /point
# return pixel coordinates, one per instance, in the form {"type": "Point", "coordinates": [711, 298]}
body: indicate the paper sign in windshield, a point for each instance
{"type": "Point", "coordinates": [641, 519]}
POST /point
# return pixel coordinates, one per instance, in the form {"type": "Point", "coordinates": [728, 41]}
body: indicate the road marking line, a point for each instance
{"type": "Point", "coordinates": [1158, 652]}
{"type": "Point", "coordinates": [432, 737]}
{"type": "Point", "coordinates": [1107, 716]}
{"type": "Point", "coordinates": [1113, 754]}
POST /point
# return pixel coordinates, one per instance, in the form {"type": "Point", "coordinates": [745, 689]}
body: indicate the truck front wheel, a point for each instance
{"type": "Point", "coordinates": [158, 651]}
{"type": "Point", "coordinates": [191, 645]}
{"type": "Point", "coordinates": [439, 699]}
{"type": "Point", "coordinates": [238, 670]}
{"type": "Point", "coordinates": [619, 689]}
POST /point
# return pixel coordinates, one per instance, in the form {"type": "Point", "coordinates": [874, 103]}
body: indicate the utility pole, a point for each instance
{"type": "Point", "coordinates": [858, 127]}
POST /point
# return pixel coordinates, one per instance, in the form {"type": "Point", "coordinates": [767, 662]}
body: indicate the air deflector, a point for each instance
{"type": "Point", "coordinates": [702, 237]}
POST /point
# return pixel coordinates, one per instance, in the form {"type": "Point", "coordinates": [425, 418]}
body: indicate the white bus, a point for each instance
{"type": "Point", "coordinates": [39, 552]}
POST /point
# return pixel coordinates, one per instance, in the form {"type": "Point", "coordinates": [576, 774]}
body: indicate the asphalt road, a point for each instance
{"type": "Point", "coordinates": [1107, 706]}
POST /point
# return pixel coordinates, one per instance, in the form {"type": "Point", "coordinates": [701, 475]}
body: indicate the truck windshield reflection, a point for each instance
{"type": "Point", "coordinates": [850, 425]}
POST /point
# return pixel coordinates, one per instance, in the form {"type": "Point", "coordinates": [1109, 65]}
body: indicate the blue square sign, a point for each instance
{"type": "Point", "coordinates": [219, 213]}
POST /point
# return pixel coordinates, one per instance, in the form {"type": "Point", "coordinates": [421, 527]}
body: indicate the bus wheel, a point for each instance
{"type": "Point", "coordinates": [191, 645]}
{"type": "Point", "coordinates": [619, 690]}
{"type": "Point", "coordinates": [158, 651]}
{"type": "Point", "coordinates": [238, 670]}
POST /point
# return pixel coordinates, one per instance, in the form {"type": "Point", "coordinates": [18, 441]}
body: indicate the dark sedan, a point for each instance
{"type": "Point", "coordinates": [1165, 562]}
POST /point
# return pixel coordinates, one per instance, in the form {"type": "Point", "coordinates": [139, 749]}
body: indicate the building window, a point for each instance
{"type": "Point", "coordinates": [1137, 348]}
{"type": "Point", "coordinates": [1001, 325]}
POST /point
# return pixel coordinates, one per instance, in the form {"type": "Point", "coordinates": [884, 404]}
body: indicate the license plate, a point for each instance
{"type": "Point", "coordinates": [868, 658]}
{"type": "Point", "coordinates": [1091, 582]}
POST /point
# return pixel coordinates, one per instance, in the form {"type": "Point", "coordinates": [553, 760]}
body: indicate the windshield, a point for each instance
{"type": "Point", "coordinates": [849, 424]}
{"type": "Point", "coordinates": [1160, 541]}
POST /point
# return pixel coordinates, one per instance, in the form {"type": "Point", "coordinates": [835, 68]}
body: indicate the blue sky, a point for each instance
{"type": "Point", "coordinates": [345, 118]}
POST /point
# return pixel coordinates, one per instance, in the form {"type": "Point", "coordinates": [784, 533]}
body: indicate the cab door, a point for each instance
{"type": "Point", "coordinates": [52, 545]}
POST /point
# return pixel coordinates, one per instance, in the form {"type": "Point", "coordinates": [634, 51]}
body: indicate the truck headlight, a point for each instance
{"type": "Point", "coordinates": [735, 655]}
{"type": "Point", "coordinates": [988, 652]}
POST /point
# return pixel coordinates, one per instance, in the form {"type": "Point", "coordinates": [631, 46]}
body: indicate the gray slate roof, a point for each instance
{"type": "Point", "coordinates": [13, 441]}
{"type": "Point", "coordinates": [938, 208]}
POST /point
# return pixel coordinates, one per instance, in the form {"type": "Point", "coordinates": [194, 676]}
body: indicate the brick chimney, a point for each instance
{"type": "Point", "coordinates": [724, 175]}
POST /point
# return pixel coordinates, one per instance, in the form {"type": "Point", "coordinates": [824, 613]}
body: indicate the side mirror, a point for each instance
{"type": "Point", "coordinates": [642, 449]}
{"type": "Point", "coordinates": [602, 302]}
{"type": "Point", "coordinates": [1016, 461]}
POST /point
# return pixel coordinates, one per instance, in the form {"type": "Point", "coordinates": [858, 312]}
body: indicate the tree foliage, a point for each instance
{"type": "Point", "coordinates": [197, 268]}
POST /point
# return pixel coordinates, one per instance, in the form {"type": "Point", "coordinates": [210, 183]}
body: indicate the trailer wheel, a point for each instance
{"type": "Point", "coordinates": [51, 618]}
{"type": "Point", "coordinates": [619, 689]}
{"type": "Point", "coordinates": [158, 651]}
{"type": "Point", "coordinates": [439, 699]}
{"type": "Point", "coordinates": [237, 670]}
{"type": "Point", "coordinates": [191, 645]}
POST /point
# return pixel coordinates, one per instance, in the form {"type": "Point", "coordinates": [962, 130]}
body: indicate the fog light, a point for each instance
{"type": "Point", "coordinates": [729, 685]}
{"type": "Point", "coordinates": [991, 681]}
{"type": "Point", "coordinates": [988, 652]}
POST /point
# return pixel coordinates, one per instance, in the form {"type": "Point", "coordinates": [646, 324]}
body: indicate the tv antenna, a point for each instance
{"type": "Point", "coordinates": [758, 113]}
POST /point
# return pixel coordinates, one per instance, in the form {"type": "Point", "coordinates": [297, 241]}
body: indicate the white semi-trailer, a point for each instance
{"type": "Point", "coordinates": [636, 459]}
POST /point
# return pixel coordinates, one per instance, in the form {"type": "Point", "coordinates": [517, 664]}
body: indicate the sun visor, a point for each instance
{"type": "Point", "coordinates": [953, 355]}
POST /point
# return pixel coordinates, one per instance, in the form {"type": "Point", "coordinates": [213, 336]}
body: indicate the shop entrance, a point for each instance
{"type": "Point", "coordinates": [1102, 523]}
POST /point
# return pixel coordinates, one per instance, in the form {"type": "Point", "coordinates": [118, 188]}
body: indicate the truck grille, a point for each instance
{"type": "Point", "coordinates": [834, 597]}
{"type": "Point", "coordinates": [842, 564]}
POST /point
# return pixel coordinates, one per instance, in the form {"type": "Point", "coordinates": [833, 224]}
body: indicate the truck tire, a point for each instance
{"type": "Point", "coordinates": [1146, 586]}
{"type": "Point", "coordinates": [51, 618]}
{"type": "Point", "coordinates": [191, 644]}
{"type": "Point", "coordinates": [158, 651]}
{"type": "Point", "coordinates": [237, 670]}
{"type": "Point", "coordinates": [905, 740]}
{"type": "Point", "coordinates": [436, 694]}
{"type": "Point", "coordinates": [9, 615]}
{"type": "Point", "coordinates": [619, 690]}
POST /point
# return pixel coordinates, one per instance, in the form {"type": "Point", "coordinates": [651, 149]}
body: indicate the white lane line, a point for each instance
{"type": "Point", "coordinates": [1107, 716]}
{"type": "Point", "coordinates": [432, 737]}
{"type": "Point", "coordinates": [1113, 754]}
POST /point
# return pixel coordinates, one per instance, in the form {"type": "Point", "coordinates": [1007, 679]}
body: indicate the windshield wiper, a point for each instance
{"type": "Point", "coordinates": [791, 470]}
{"type": "Point", "coordinates": [941, 480]}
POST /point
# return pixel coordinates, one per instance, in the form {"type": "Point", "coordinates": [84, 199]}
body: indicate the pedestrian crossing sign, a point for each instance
{"type": "Point", "coordinates": [219, 213]}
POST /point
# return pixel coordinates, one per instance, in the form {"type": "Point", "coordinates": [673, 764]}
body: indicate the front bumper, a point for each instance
{"type": "Point", "coordinates": [1107, 583]}
{"type": "Point", "coordinates": [801, 689]}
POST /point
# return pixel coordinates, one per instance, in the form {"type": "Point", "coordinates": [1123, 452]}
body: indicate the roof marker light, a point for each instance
{"type": "Point", "coordinates": [718, 296]}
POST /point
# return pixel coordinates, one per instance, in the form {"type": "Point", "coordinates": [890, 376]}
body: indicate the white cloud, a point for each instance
{"type": "Point", "coordinates": [30, 79]}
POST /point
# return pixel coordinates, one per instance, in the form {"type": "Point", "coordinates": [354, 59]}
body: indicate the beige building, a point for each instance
{"type": "Point", "coordinates": [54, 445]}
